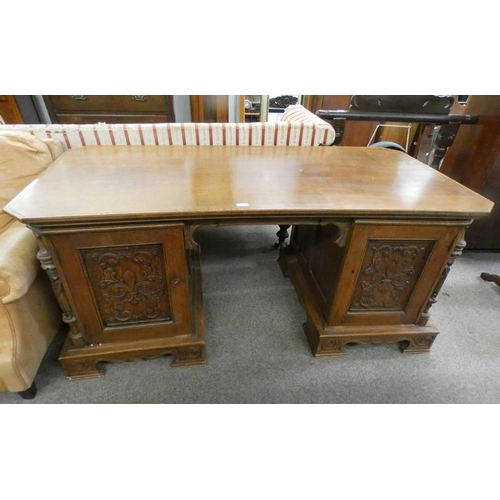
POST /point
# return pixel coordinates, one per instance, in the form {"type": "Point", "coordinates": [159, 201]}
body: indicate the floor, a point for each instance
{"type": "Point", "coordinates": [257, 352]}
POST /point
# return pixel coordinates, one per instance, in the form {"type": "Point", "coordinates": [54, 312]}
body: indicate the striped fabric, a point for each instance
{"type": "Point", "coordinates": [297, 113]}
{"type": "Point", "coordinates": [294, 133]}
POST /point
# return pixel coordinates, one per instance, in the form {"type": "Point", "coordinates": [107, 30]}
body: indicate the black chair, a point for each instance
{"type": "Point", "coordinates": [408, 109]}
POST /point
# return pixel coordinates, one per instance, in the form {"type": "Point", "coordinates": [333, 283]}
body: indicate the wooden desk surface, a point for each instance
{"type": "Point", "coordinates": [115, 183]}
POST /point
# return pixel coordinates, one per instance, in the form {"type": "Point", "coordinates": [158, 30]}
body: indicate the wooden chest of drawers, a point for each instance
{"type": "Point", "coordinates": [110, 108]}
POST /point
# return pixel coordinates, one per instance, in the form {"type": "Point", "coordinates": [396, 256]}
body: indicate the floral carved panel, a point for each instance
{"type": "Point", "coordinates": [128, 283]}
{"type": "Point", "coordinates": [389, 273]}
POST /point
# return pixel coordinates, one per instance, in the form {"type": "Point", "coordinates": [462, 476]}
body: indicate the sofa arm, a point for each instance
{"type": "Point", "coordinates": [23, 157]}
{"type": "Point", "coordinates": [297, 113]}
{"type": "Point", "coordinates": [19, 266]}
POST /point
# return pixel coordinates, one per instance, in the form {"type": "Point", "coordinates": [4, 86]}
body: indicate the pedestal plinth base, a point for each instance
{"type": "Point", "coordinates": [330, 342]}
{"type": "Point", "coordinates": [83, 362]}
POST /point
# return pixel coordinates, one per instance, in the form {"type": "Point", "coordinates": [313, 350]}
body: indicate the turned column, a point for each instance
{"type": "Point", "coordinates": [76, 333]}
{"type": "Point", "coordinates": [457, 251]}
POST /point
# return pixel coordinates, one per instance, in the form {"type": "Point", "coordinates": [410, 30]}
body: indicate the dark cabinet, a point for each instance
{"type": "Point", "coordinates": [110, 108]}
{"type": "Point", "coordinates": [474, 161]}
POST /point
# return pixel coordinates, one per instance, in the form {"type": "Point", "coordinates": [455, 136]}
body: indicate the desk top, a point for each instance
{"type": "Point", "coordinates": [117, 183]}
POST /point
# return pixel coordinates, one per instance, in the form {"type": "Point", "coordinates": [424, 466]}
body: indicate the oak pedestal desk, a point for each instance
{"type": "Point", "coordinates": [374, 233]}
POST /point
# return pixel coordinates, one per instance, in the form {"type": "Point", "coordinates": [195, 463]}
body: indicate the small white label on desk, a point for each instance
{"type": "Point", "coordinates": [242, 205]}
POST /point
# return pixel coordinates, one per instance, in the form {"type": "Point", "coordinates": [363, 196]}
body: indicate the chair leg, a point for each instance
{"type": "Point", "coordinates": [491, 277]}
{"type": "Point", "coordinates": [29, 393]}
{"type": "Point", "coordinates": [282, 235]}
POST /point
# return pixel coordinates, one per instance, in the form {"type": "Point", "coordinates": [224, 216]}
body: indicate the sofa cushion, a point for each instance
{"type": "Point", "coordinates": [23, 157]}
{"type": "Point", "coordinates": [55, 147]}
{"type": "Point", "coordinates": [19, 266]}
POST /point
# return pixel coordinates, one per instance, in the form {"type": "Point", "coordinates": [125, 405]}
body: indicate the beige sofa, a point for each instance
{"type": "Point", "coordinates": [29, 315]}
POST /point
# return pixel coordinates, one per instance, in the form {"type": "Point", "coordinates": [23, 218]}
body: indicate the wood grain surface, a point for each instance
{"type": "Point", "coordinates": [114, 183]}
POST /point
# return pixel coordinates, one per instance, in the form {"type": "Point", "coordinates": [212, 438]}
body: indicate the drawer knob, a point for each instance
{"type": "Point", "coordinates": [79, 97]}
{"type": "Point", "coordinates": [175, 280]}
{"type": "Point", "coordinates": [139, 98]}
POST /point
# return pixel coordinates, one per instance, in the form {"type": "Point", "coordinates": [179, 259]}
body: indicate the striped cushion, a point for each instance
{"type": "Point", "coordinates": [293, 133]}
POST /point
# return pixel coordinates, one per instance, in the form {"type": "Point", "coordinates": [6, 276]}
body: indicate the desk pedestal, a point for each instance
{"type": "Point", "coordinates": [370, 282]}
{"type": "Point", "coordinates": [134, 291]}
{"type": "Point", "coordinates": [127, 292]}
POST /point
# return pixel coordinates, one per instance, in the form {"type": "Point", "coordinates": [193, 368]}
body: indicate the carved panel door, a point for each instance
{"type": "Point", "coordinates": [126, 285]}
{"type": "Point", "coordinates": [390, 271]}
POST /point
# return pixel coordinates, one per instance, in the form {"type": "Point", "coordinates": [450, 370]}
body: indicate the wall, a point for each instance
{"type": "Point", "coordinates": [182, 109]}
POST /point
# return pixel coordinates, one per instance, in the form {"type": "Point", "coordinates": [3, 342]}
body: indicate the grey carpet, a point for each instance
{"type": "Point", "coordinates": [257, 352]}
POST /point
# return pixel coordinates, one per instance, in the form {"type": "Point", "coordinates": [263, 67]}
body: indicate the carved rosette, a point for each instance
{"type": "Point", "coordinates": [188, 355]}
{"type": "Point", "coordinates": [129, 283]}
{"type": "Point", "coordinates": [419, 343]}
{"type": "Point", "coordinates": [389, 274]}
{"type": "Point", "coordinates": [81, 368]}
{"type": "Point", "coordinates": [333, 347]}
